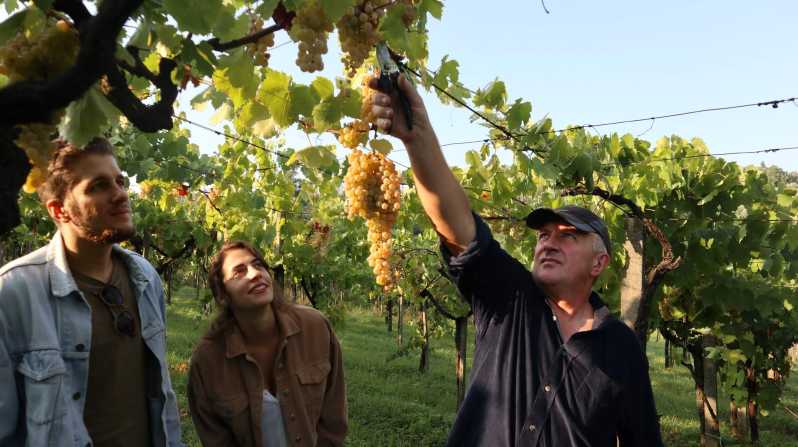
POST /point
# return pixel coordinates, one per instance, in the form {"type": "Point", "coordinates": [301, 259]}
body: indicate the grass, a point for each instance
{"type": "Point", "coordinates": [392, 404]}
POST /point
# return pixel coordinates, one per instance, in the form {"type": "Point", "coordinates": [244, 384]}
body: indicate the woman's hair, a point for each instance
{"type": "Point", "coordinates": [225, 314]}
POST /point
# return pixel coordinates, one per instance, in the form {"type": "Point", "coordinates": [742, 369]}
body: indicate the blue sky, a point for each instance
{"type": "Point", "coordinates": [590, 62]}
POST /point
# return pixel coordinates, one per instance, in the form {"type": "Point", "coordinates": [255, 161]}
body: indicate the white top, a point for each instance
{"type": "Point", "coordinates": [271, 422]}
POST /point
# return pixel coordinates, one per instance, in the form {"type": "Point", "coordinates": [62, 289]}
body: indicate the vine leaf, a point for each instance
{"type": "Point", "coordinates": [87, 117]}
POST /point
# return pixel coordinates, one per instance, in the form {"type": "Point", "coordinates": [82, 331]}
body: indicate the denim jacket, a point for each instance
{"type": "Point", "coordinates": [45, 343]}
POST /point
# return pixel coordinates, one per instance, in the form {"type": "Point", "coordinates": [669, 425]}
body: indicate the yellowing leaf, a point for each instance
{"type": "Point", "coordinates": [381, 145]}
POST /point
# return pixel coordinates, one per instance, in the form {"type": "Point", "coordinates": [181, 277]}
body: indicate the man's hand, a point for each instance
{"type": "Point", "coordinates": [390, 118]}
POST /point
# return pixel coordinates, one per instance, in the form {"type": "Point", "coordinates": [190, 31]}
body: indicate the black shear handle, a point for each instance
{"type": "Point", "coordinates": [390, 83]}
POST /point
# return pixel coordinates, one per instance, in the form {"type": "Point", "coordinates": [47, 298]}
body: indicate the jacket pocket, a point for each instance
{"type": "Point", "coordinates": [234, 411]}
{"type": "Point", "coordinates": [43, 373]}
{"type": "Point", "coordinates": [313, 383]}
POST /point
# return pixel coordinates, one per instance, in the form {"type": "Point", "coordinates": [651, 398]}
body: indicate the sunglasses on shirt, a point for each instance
{"type": "Point", "coordinates": [124, 323]}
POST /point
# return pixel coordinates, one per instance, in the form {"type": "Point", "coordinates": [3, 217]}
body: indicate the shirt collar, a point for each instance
{"type": "Point", "coordinates": [62, 283]}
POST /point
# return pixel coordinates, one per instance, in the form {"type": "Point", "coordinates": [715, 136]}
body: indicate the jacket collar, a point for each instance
{"type": "Point", "coordinates": [287, 325]}
{"type": "Point", "coordinates": [62, 283]}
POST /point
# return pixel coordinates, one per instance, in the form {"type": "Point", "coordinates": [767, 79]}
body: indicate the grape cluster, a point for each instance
{"type": "Point", "coordinates": [310, 28]}
{"type": "Point", "coordinates": [409, 14]}
{"type": "Point", "coordinates": [41, 55]}
{"type": "Point", "coordinates": [36, 139]}
{"type": "Point", "coordinates": [367, 93]}
{"type": "Point", "coordinates": [38, 56]}
{"type": "Point", "coordinates": [354, 134]}
{"type": "Point", "coordinates": [372, 191]}
{"type": "Point", "coordinates": [260, 48]}
{"type": "Point", "coordinates": [358, 31]}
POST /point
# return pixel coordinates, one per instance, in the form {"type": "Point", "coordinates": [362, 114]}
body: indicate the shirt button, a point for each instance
{"type": "Point", "coordinates": [280, 365]}
{"type": "Point", "coordinates": [80, 347]}
{"type": "Point", "coordinates": [532, 427]}
{"type": "Point", "coordinates": [292, 416]}
{"type": "Point", "coordinates": [298, 438]}
{"type": "Point", "coordinates": [76, 396]}
{"type": "Point", "coordinates": [547, 388]}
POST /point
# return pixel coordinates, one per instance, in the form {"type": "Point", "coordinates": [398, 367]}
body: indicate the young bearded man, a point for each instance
{"type": "Point", "coordinates": [82, 328]}
{"type": "Point", "coordinates": [551, 366]}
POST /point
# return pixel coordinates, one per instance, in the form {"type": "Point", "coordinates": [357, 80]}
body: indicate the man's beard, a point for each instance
{"type": "Point", "coordinates": [99, 235]}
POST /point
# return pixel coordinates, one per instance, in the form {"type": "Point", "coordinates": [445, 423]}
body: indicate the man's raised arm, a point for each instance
{"type": "Point", "coordinates": [441, 195]}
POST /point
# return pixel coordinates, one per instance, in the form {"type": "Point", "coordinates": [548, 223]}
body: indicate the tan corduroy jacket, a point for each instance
{"type": "Point", "coordinates": [225, 386]}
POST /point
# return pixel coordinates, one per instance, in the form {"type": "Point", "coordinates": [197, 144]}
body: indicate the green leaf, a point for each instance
{"type": "Point", "coordinates": [142, 145]}
{"type": "Point", "coordinates": [350, 101]}
{"type": "Point", "coordinates": [303, 100]}
{"type": "Point", "coordinates": [264, 128]}
{"type": "Point", "coordinates": [434, 7]}
{"type": "Point", "coordinates": [519, 114]}
{"type": "Point", "coordinates": [323, 87]}
{"type": "Point", "coordinates": [194, 17]}
{"type": "Point", "coordinates": [393, 29]}
{"type": "Point", "coordinates": [227, 26]}
{"type": "Point", "coordinates": [200, 58]}
{"type": "Point", "coordinates": [784, 200]}
{"type": "Point", "coordinates": [326, 115]}
{"type": "Point", "coordinates": [251, 113]}
{"type": "Point", "coordinates": [87, 118]}
{"type": "Point", "coordinates": [11, 26]}
{"type": "Point", "coordinates": [44, 5]}
{"type": "Point", "coordinates": [11, 5]}
{"type": "Point", "coordinates": [266, 8]}
{"type": "Point", "coordinates": [335, 9]}
{"type": "Point", "coordinates": [381, 145]}
{"type": "Point", "coordinates": [274, 94]}
{"type": "Point", "coordinates": [314, 156]}
{"type": "Point", "coordinates": [712, 194]}
{"type": "Point", "coordinates": [493, 96]}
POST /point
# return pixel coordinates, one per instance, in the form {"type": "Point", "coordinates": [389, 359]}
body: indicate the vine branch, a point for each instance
{"type": "Point", "coordinates": [218, 45]}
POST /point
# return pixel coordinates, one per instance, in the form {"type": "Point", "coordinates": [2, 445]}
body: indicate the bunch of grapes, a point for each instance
{"type": "Point", "coordinates": [39, 56]}
{"type": "Point", "coordinates": [354, 134]}
{"type": "Point", "coordinates": [310, 28]}
{"type": "Point", "coordinates": [42, 55]}
{"type": "Point", "coordinates": [367, 94]}
{"type": "Point", "coordinates": [372, 191]}
{"type": "Point", "coordinates": [358, 31]}
{"type": "Point", "coordinates": [409, 14]}
{"type": "Point", "coordinates": [260, 48]}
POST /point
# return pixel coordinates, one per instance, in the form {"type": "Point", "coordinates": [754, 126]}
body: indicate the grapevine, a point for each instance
{"type": "Point", "coordinates": [358, 31]}
{"type": "Point", "coordinates": [310, 28]}
{"type": "Point", "coordinates": [39, 56]}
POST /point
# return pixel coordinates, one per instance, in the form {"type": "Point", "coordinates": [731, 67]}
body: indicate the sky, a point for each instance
{"type": "Point", "coordinates": [592, 62]}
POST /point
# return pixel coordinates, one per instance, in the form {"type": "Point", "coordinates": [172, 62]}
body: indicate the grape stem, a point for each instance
{"type": "Point", "coordinates": [251, 38]}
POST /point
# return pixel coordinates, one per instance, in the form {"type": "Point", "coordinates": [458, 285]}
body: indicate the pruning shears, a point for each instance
{"type": "Point", "coordinates": [389, 77]}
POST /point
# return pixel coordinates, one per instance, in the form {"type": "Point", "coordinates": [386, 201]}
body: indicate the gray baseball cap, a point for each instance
{"type": "Point", "coordinates": [582, 219]}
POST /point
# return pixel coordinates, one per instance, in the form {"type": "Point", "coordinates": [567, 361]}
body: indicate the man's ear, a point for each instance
{"type": "Point", "coordinates": [600, 262]}
{"type": "Point", "coordinates": [57, 211]}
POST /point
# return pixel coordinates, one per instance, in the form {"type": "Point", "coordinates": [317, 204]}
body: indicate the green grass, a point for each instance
{"type": "Point", "coordinates": [392, 404]}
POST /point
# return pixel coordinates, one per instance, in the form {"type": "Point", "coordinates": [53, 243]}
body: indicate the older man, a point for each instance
{"type": "Point", "coordinates": [551, 367]}
{"type": "Point", "coordinates": [82, 347]}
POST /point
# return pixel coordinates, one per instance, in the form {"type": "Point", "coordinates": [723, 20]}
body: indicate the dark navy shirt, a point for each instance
{"type": "Point", "coordinates": [527, 388]}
